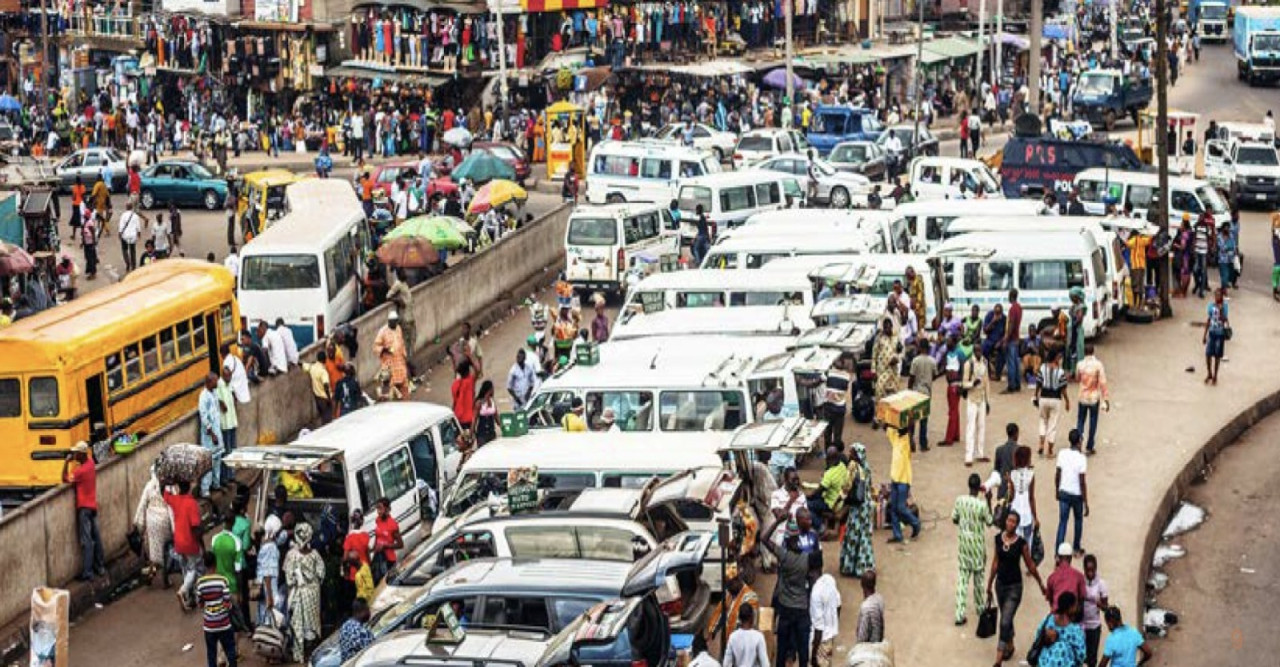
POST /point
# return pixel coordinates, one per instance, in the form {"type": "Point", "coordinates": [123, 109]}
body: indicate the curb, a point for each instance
{"type": "Point", "coordinates": [1223, 438]}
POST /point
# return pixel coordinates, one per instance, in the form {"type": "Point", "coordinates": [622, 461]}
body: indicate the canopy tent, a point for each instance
{"type": "Point", "coordinates": [948, 48]}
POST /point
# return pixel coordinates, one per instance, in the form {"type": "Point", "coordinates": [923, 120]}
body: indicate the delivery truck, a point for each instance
{"type": "Point", "coordinates": [1256, 35]}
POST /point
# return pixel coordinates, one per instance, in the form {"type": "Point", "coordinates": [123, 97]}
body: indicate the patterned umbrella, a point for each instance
{"type": "Point", "coordinates": [441, 231]}
{"type": "Point", "coordinates": [496, 193]}
{"type": "Point", "coordinates": [14, 260]}
{"type": "Point", "coordinates": [408, 252]}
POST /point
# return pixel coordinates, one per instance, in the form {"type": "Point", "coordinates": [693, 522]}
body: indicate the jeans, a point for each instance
{"type": "Point", "coordinates": [899, 512]}
{"type": "Point", "coordinates": [701, 245]}
{"type": "Point", "coordinates": [1198, 268]}
{"type": "Point", "coordinates": [191, 566]}
{"type": "Point", "coordinates": [129, 251]}
{"type": "Point", "coordinates": [1089, 411]}
{"type": "Point", "coordinates": [91, 556]}
{"type": "Point", "coordinates": [1009, 597]}
{"type": "Point", "coordinates": [793, 635]}
{"type": "Point", "coordinates": [227, 638]}
{"type": "Point", "coordinates": [835, 424]}
{"type": "Point", "coordinates": [1013, 365]}
{"type": "Point", "coordinates": [213, 478]}
{"type": "Point", "coordinates": [923, 438]}
{"type": "Point", "coordinates": [1070, 503]}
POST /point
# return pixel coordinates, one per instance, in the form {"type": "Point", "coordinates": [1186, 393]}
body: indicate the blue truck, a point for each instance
{"type": "Point", "coordinates": [1256, 36]}
{"type": "Point", "coordinates": [831, 125]}
{"type": "Point", "coordinates": [1105, 95]}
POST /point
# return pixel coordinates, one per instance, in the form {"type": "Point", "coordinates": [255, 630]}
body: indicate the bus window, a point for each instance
{"type": "Point", "coordinates": [1050, 275]}
{"type": "Point", "coordinates": [226, 323]}
{"type": "Point", "coordinates": [132, 364]}
{"type": "Point", "coordinates": [168, 349]}
{"type": "Point", "coordinates": [115, 373]}
{"type": "Point", "coordinates": [184, 339]}
{"type": "Point", "coordinates": [150, 358]}
{"type": "Point", "coordinates": [700, 410]}
{"type": "Point", "coordinates": [42, 392]}
{"type": "Point", "coordinates": [10, 398]}
{"type": "Point", "coordinates": [197, 330]}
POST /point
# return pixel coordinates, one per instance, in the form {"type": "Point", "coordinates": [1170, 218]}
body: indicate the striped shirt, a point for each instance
{"type": "Point", "coordinates": [972, 516]}
{"type": "Point", "coordinates": [215, 598]}
{"type": "Point", "coordinates": [1052, 380]}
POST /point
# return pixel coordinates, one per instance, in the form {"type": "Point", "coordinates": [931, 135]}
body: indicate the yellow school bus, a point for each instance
{"type": "Point", "coordinates": [261, 200]}
{"type": "Point", "coordinates": [130, 357]}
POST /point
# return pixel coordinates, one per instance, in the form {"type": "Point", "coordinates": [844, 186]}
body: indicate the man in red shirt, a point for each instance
{"type": "Point", "coordinates": [1066, 579]}
{"type": "Point", "coordinates": [1013, 358]}
{"type": "Point", "coordinates": [135, 185]}
{"type": "Point", "coordinates": [188, 539]}
{"type": "Point", "coordinates": [358, 541]}
{"type": "Point", "coordinates": [85, 480]}
{"type": "Point", "coordinates": [386, 539]}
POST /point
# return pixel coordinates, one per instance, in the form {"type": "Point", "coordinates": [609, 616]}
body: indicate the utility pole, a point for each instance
{"type": "Point", "coordinates": [44, 55]}
{"type": "Point", "coordinates": [1034, 35]}
{"type": "Point", "coordinates": [997, 65]}
{"type": "Point", "coordinates": [788, 9]}
{"type": "Point", "coordinates": [915, 132]}
{"type": "Point", "coordinates": [978, 78]}
{"type": "Point", "coordinates": [1115, 28]}
{"type": "Point", "coordinates": [1162, 149]}
{"type": "Point", "coordinates": [502, 67]}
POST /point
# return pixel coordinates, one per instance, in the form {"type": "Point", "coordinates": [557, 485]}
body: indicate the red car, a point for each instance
{"type": "Point", "coordinates": [509, 153]}
{"type": "Point", "coordinates": [385, 175]}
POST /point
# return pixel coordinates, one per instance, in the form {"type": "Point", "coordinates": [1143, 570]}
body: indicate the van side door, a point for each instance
{"type": "Point", "coordinates": [392, 475]}
{"type": "Point", "coordinates": [1217, 169]}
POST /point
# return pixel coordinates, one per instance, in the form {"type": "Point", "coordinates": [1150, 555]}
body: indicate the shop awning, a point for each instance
{"type": "Point", "coordinates": [387, 76]}
{"type": "Point", "coordinates": [534, 6]}
{"type": "Point", "coordinates": [710, 68]}
{"type": "Point", "coordinates": [459, 6]}
{"type": "Point", "coordinates": [948, 48]}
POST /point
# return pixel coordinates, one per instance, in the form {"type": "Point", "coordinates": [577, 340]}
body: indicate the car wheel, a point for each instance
{"type": "Point", "coordinates": [839, 197]}
{"type": "Point", "coordinates": [615, 198]}
{"type": "Point", "coordinates": [210, 200]}
{"type": "Point", "coordinates": [148, 200]}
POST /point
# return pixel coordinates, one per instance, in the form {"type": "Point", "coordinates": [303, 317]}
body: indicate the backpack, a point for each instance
{"type": "Point", "coordinates": [269, 641]}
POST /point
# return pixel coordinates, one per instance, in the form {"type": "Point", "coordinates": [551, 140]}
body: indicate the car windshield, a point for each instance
{"type": "Point", "coordinates": [1096, 84]}
{"type": "Point", "coordinates": [757, 143]}
{"type": "Point", "coordinates": [1258, 155]}
{"type": "Point", "coordinates": [692, 195]}
{"type": "Point", "coordinates": [849, 153]}
{"type": "Point", "coordinates": [1266, 42]}
{"type": "Point", "coordinates": [593, 231]}
{"type": "Point", "coordinates": [829, 123]}
{"type": "Point", "coordinates": [1213, 11]}
{"type": "Point", "coordinates": [198, 171]}
{"type": "Point", "coordinates": [280, 272]}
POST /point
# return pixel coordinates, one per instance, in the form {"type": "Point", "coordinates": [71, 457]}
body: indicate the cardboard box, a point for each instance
{"type": "Point", "coordinates": [897, 409]}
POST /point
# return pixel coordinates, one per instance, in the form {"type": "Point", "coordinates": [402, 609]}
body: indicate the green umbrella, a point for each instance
{"type": "Point", "coordinates": [442, 231]}
{"type": "Point", "coordinates": [482, 167]}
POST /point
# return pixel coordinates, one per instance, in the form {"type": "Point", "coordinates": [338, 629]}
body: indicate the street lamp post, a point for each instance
{"type": "Point", "coordinates": [788, 9]}
{"type": "Point", "coordinates": [997, 65]}
{"type": "Point", "coordinates": [1034, 34]}
{"type": "Point", "coordinates": [1162, 150]}
{"type": "Point", "coordinates": [1115, 28]}
{"type": "Point", "coordinates": [982, 22]}
{"type": "Point", "coordinates": [915, 133]}
{"type": "Point", "coordinates": [502, 67]}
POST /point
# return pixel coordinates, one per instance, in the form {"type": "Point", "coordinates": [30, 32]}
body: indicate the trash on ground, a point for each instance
{"type": "Point", "coordinates": [1166, 553]}
{"type": "Point", "coordinates": [1187, 518]}
{"type": "Point", "coordinates": [1158, 581]}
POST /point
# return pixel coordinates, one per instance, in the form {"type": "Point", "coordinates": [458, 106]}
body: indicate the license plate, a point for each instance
{"type": "Point", "coordinates": [1262, 196]}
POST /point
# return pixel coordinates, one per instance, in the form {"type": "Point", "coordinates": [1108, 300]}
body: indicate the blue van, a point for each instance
{"type": "Point", "coordinates": [831, 125]}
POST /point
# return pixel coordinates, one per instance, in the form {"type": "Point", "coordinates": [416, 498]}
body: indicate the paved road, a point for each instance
{"type": "Point", "coordinates": [1224, 590]}
{"type": "Point", "coordinates": [1160, 416]}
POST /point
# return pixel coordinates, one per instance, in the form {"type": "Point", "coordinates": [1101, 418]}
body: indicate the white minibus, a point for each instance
{"type": "Point", "coordinates": [891, 227]}
{"type": "Point", "coordinates": [1100, 187]}
{"type": "Point", "coordinates": [745, 321]}
{"type": "Point", "coordinates": [643, 171]}
{"type": "Point", "coordinates": [934, 177]}
{"type": "Point", "coordinates": [754, 251]}
{"type": "Point", "coordinates": [608, 245]}
{"type": "Point", "coordinates": [927, 220]}
{"type": "Point", "coordinates": [306, 268]}
{"type": "Point", "coordinates": [728, 199]}
{"type": "Point", "coordinates": [715, 289]}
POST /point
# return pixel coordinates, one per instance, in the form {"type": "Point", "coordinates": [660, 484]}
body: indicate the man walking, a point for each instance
{"type": "Point", "coordinates": [227, 403]}
{"type": "Point", "coordinates": [402, 297]}
{"type": "Point", "coordinates": [871, 611]}
{"type": "Point", "coordinates": [210, 411]}
{"type": "Point", "coordinates": [791, 594]}
{"type": "Point", "coordinates": [1051, 400]}
{"type": "Point", "coordinates": [977, 405]}
{"type": "Point", "coordinates": [922, 373]}
{"type": "Point", "coordinates": [85, 480]}
{"type": "Point", "coordinates": [900, 483]}
{"type": "Point", "coordinates": [130, 227]}
{"type": "Point", "coordinates": [1093, 394]}
{"type": "Point", "coordinates": [188, 539]}
{"type": "Point", "coordinates": [1073, 490]}
{"type": "Point", "coordinates": [824, 612]}
{"type": "Point", "coordinates": [971, 515]}
{"type": "Point", "coordinates": [1012, 329]}
{"type": "Point", "coordinates": [215, 594]}
{"type": "Point", "coordinates": [521, 381]}
{"type": "Point", "coordinates": [89, 244]}
{"type": "Point", "coordinates": [746, 647]}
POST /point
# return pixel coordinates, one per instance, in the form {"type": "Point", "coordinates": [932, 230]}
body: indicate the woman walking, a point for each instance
{"type": "Point", "coordinates": [1022, 480]}
{"type": "Point", "coordinates": [1012, 552]}
{"type": "Point", "coordinates": [886, 358]}
{"type": "Point", "coordinates": [1075, 331]}
{"type": "Point", "coordinates": [1096, 599]}
{"type": "Point", "coordinates": [464, 395]}
{"type": "Point", "coordinates": [856, 553]}
{"type": "Point", "coordinates": [268, 571]}
{"type": "Point", "coordinates": [486, 415]}
{"type": "Point", "coordinates": [304, 572]}
{"type": "Point", "coordinates": [154, 520]}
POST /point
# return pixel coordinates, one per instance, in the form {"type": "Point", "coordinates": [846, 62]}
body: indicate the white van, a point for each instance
{"type": "Point", "coordinates": [935, 177]}
{"type": "Point", "coordinates": [869, 274]}
{"type": "Point", "coordinates": [982, 267]}
{"type": "Point", "coordinates": [1099, 187]}
{"type": "Point", "coordinates": [684, 383]}
{"type": "Point", "coordinates": [307, 267]}
{"type": "Point", "coordinates": [927, 220]}
{"type": "Point", "coordinates": [606, 246]}
{"type": "Point", "coordinates": [888, 224]}
{"type": "Point", "coordinates": [754, 251]}
{"type": "Point", "coordinates": [715, 289]}
{"type": "Point", "coordinates": [1112, 247]}
{"type": "Point", "coordinates": [642, 171]}
{"type": "Point", "coordinates": [730, 198]}
{"type": "Point", "coordinates": [744, 321]}
{"type": "Point", "coordinates": [386, 450]}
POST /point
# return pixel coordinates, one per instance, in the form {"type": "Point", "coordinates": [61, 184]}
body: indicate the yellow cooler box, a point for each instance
{"type": "Point", "coordinates": [897, 409]}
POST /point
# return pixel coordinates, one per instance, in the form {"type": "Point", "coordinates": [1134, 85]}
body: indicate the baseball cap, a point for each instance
{"type": "Point", "coordinates": [1064, 550]}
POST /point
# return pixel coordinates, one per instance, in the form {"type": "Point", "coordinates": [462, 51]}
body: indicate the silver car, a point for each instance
{"type": "Point", "coordinates": [835, 188]}
{"type": "Point", "coordinates": [88, 163]}
{"type": "Point", "coordinates": [705, 138]}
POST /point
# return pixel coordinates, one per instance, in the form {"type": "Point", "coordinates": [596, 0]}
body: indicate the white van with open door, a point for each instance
{"type": "Point", "coordinates": [934, 177]}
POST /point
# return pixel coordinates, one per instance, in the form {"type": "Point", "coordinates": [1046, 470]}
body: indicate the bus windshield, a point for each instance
{"type": "Point", "coordinates": [280, 272]}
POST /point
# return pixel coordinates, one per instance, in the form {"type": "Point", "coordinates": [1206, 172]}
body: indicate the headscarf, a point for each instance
{"type": "Point", "coordinates": [302, 533]}
{"type": "Point", "coordinates": [271, 527]}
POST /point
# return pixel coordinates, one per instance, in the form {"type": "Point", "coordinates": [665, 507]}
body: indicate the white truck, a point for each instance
{"type": "Point", "coordinates": [1248, 171]}
{"type": "Point", "coordinates": [1211, 20]}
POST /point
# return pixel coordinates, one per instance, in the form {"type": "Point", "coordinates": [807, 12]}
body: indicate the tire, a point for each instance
{"type": "Point", "coordinates": [615, 198]}
{"type": "Point", "coordinates": [1139, 316]}
{"type": "Point", "coordinates": [147, 199]}
{"type": "Point", "coordinates": [839, 198]}
{"type": "Point", "coordinates": [211, 202]}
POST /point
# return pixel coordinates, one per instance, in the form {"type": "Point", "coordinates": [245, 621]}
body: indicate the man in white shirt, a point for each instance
{"type": "Point", "coordinates": [824, 611]}
{"type": "Point", "coordinates": [239, 377]}
{"type": "Point", "coordinates": [290, 345]}
{"type": "Point", "coordinates": [161, 234]}
{"type": "Point", "coordinates": [746, 645]}
{"type": "Point", "coordinates": [1073, 490]}
{"type": "Point", "coordinates": [273, 346]}
{"type": "Point", "coordinates": [232, 262]}
{"type": "Point", "coordinates": [130, 227]}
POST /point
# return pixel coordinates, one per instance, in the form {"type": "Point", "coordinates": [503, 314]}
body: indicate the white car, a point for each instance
{"type": "Point", "coordinates": [705, 138]}
{"type": "Point", "coordinates": [757, 145]}
{"type": "Point", "coordinates": [836, 188]}
{"type": "Point", "coordinates": [88, 163]}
